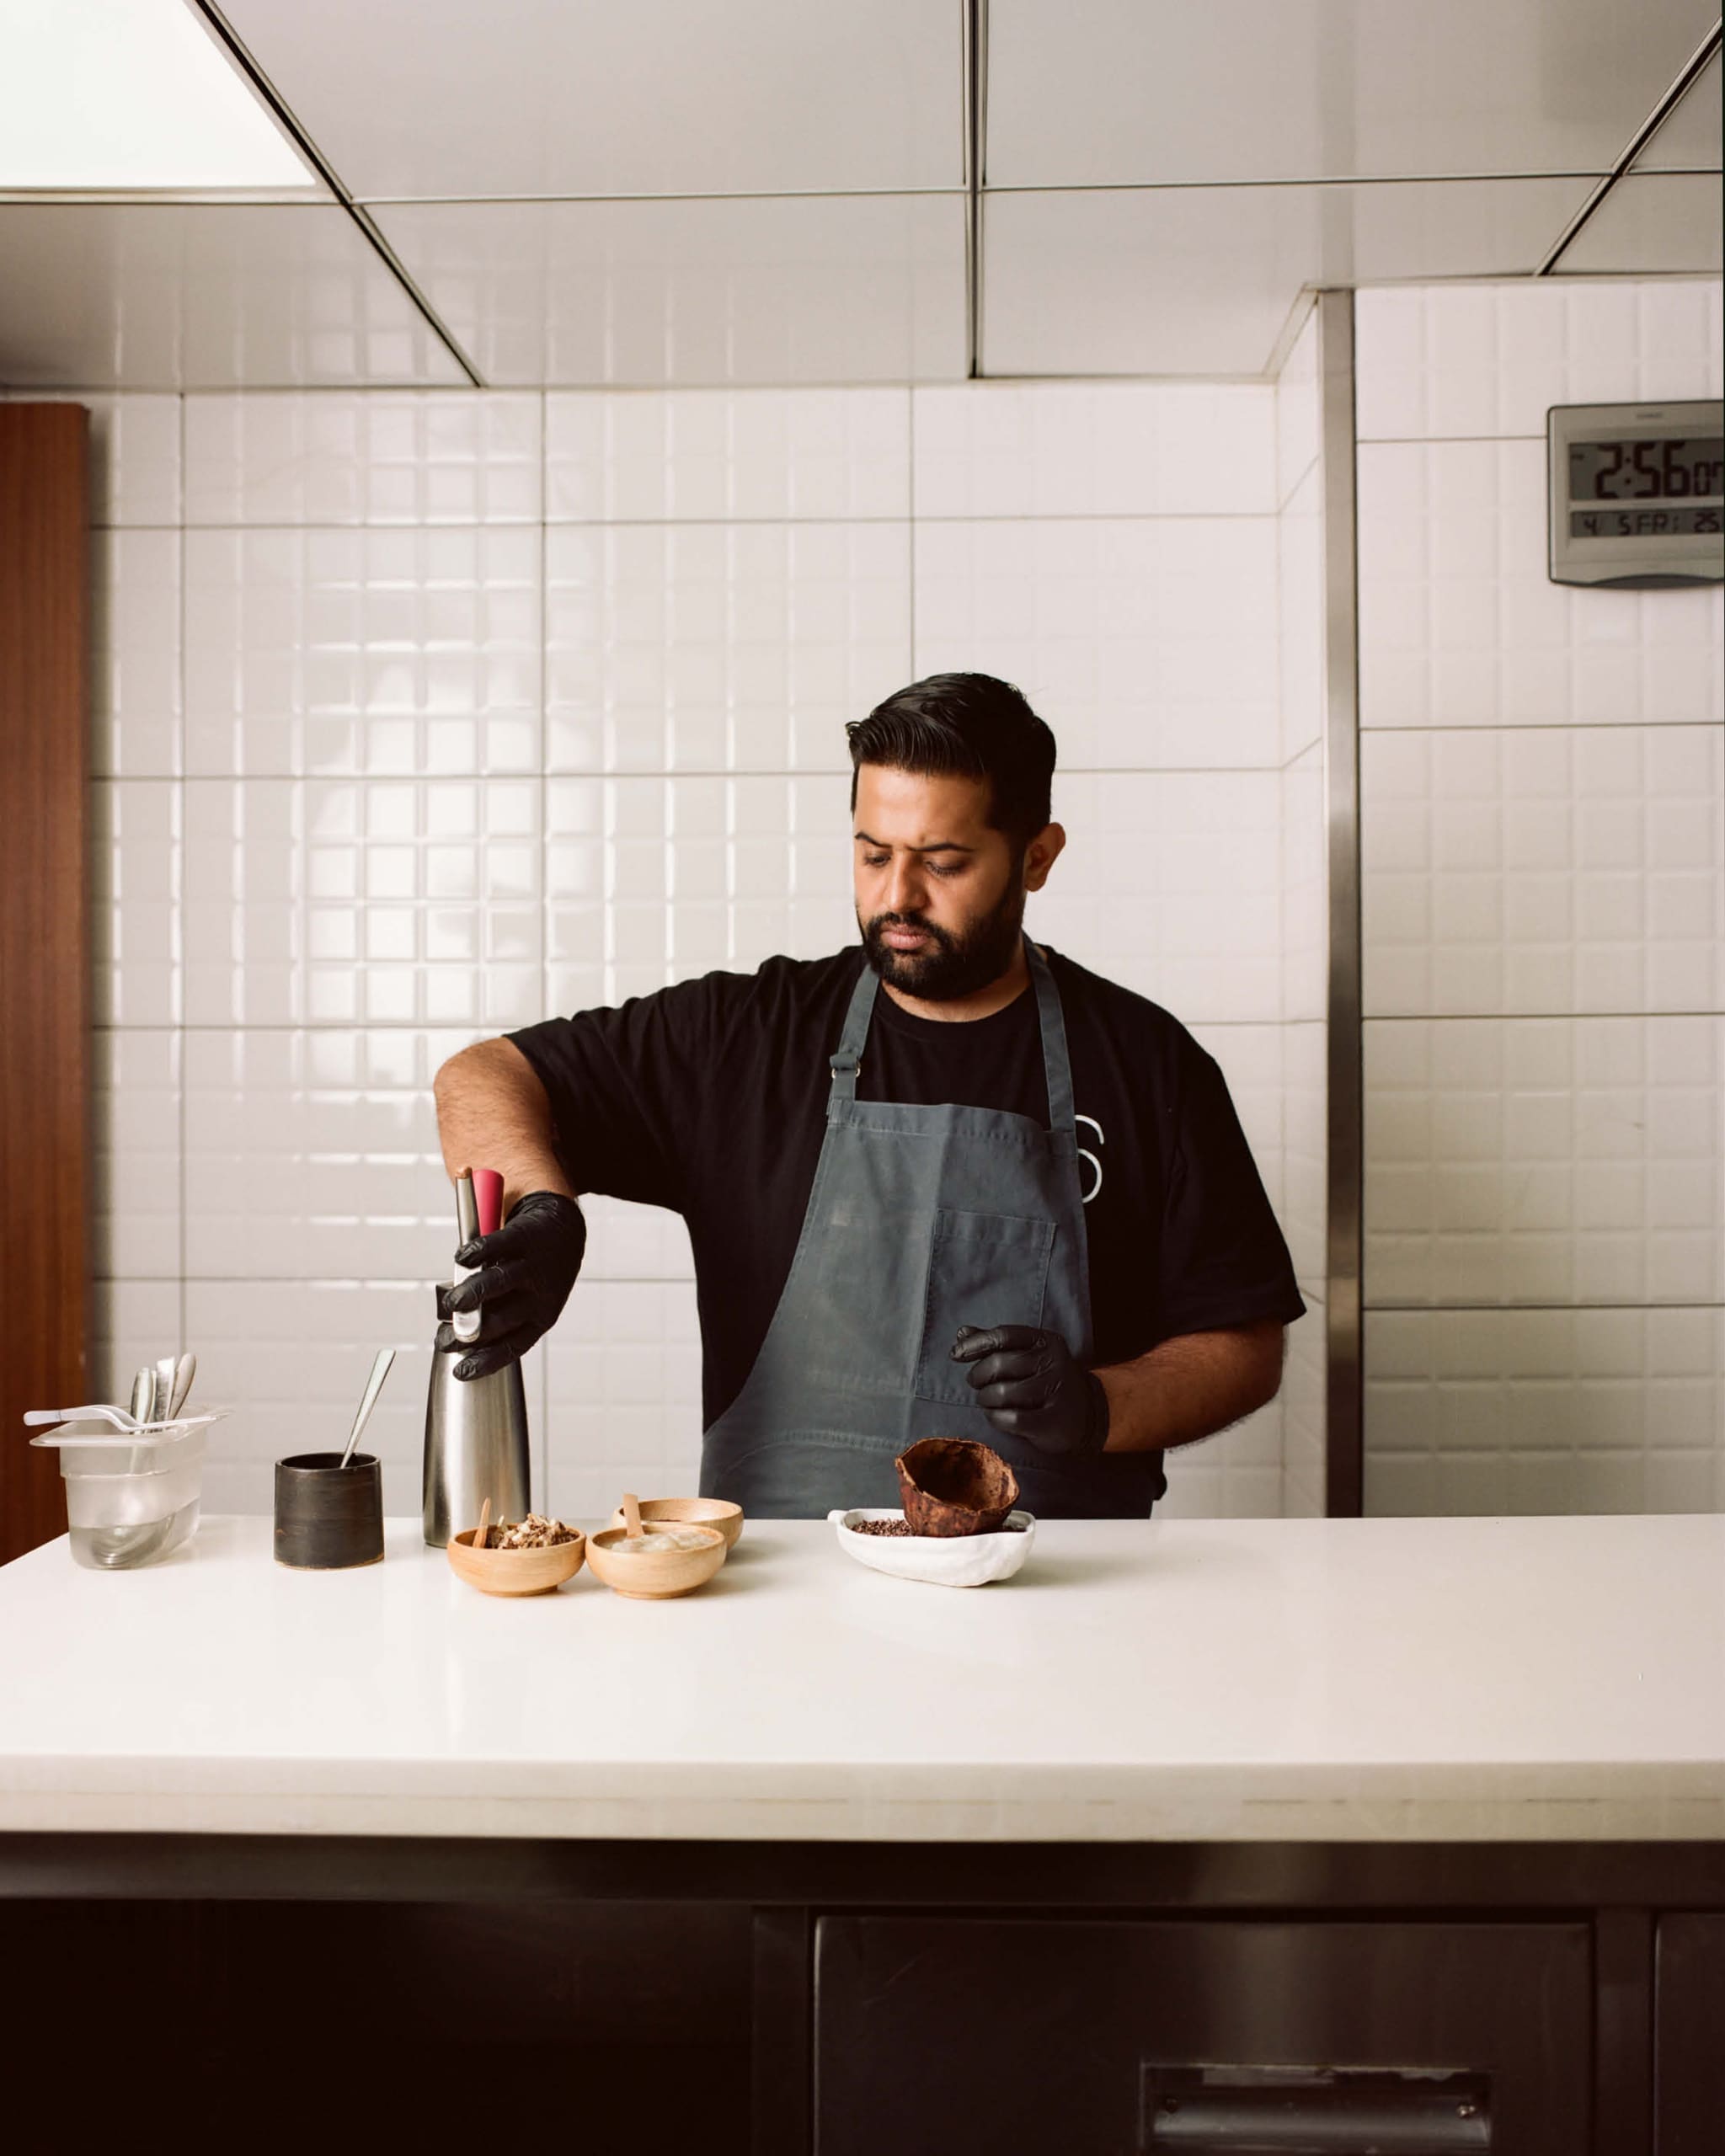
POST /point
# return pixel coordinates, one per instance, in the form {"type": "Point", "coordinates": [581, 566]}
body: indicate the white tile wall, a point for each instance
{"type": "Point", "coordinates": [291, 1358]}
{"type": "Point", "coordinates": [1305, 1206]}
{"type": "Point", "coordinates": [1559, 1410]}
{"type": "Point", "coordinates": [1299, 410]}
{"type": "Point", "coordinates": [1306, 925]}
{"type": "Point", "coordinates": [312, 1152]}
{"type": "Point", "coordinates": [132, 1321]}
{"type": "Point", "coordinates": [419, 714]}
{"type": "Point", "coordinates": [1171, 884]}
{"type": "Point", "coordinates": [136, 1112]}
{"type": "Point", "coordinates": [134, 453]}
{"type": "Point", "coordinates": [137, 865]}
{"type": "Point", "coordinates": [1095, 449]}
{"type": "Point", "coordinates": [1304, 1393]}
{"type": "Point", "coordinates": [719, 646]}
{"type": "Point", "coordinates": [1305, 893]}
{"type": "Point", "coordinates": [326, 901]}
{"type": "Point", "coordinates": [1153, 639]}
{"type": "Point", "coordinates": [319, 653]}
{"type": "Point", "coordinates": [1300, 563]}
{"type": "Point", "coordinates": [1543, 866]}
{"type": "Point", "coordinates": [696, 455]}
{"type": "Point", "coordinates": [371, 456]}
{"type": "Point", "coordinates": [1545, 1160]}
{"type": "Point", "coordinates": [1545, 869]}
{"type": "Point", "coordinates": [1438, 362]}
{"type": "Point", "coordinates": [655, 879]}
{"type": "Point", "coordinates": [623, 1395]}
{"type": "Point", "coordinates": [135, 669]}
{"type": "Point", "coordinates": [1460, 624]}
{"type": "Point", "coordinates": [1237, 1475]}
{"type": "Point", "coordinates": [1252, 1059]}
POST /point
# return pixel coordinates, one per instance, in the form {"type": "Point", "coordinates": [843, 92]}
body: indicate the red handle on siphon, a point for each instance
{"type": "Point", "coordinates": [487, 1200]}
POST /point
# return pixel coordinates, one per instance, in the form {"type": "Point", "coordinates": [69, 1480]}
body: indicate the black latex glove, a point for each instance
{"type": "Point", "coordinates": [527, 1268]}
{"type": "Point", "coordinates": [1030, 1385]}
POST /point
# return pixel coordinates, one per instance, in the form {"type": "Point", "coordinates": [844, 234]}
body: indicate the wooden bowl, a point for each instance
{"type": "Point", "coordinates": [691, 1512]}
{"type": "Point", "coordinates": [645, 1575]}
{"type": "Point", "coordinates": [515, 1571]}
{"type": "Point", "coordinates": [952, 1486]}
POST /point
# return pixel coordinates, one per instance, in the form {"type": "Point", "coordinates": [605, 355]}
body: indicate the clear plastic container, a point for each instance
{"type": "Point", "coordinates": [131, 1500]}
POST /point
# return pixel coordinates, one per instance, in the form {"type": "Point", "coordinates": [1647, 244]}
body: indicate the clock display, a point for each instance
{"type": "Point", "coordinates": [1641, 523]}
{"type": "Point", "coordinates": [1636, 493]}
{"type": "Point", "coordinates": [1650, 470]}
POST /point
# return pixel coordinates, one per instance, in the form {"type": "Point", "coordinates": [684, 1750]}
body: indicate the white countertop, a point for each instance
{"type": "Point", "coordinates": [1244, 1680]}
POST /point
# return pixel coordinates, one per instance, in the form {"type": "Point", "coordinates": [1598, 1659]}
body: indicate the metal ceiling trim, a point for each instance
{"type": "Point", "coordinates": [238, 50]}
{"type": "Point", "coordinates": [1344, 1429]}
{"type": "Point", "coordinates": [1637, 142]}
{"type": "Point", "coordinates": [1243, 186]}
{"type": "Point", "coordinates": [975, 17]}
{"type": "Point", "coordinates": [668, 194]}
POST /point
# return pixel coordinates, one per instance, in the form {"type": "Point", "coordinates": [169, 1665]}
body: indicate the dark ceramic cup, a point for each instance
{"type": "Point", "coordinates": [328, 1516]}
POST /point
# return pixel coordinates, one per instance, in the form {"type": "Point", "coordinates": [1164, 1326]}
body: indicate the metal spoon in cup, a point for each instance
{"type": "Point", "coordinates": [368, 1398]}
{"type": "Point", "coordinates": [184, 1370]}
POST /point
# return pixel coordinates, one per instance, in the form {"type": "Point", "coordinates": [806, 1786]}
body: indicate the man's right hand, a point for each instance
{"type": "Point", "coordinates": [527, 1269]}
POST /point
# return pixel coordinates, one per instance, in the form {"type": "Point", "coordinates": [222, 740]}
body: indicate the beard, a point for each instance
{"type": "Point", "coordinates": [955, 966]}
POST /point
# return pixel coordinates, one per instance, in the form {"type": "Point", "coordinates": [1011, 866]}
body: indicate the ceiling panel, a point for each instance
{"type": "Point", "coordinates": [765, 289]}
{"type": "Point", "coordinates": [187, 296]}
{"type": "Point", "coordinates": [1688, 139]}
{"type": "Point", "coordinates": [95, 96]}
{"type": "Point", "coordinates": [1649, 225]}
{"type": "Point", "coordinates": [440, 97]}
{"type": "Point", "coordinates": [1125, 92]}
{"type": "Point", "coordinates": [1200, 280]}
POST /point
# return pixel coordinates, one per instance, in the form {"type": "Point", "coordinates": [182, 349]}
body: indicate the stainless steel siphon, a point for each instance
{"type": "Point", "coordinates": [476, 1444]}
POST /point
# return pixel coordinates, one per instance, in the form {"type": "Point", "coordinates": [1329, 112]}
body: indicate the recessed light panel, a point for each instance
{"type": "Point", "coordinates": [124, 94]}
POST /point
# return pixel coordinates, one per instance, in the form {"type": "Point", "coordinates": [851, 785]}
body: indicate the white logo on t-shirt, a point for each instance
{"type": "Point", "coordinates": [1084, 1154]}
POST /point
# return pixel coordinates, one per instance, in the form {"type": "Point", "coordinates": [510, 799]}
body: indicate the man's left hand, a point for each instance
{"type": "Point", "coordinates": [1030, 1385]}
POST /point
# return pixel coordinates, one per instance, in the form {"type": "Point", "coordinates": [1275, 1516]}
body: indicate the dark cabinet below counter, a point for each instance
{"type": "Point", "coordinates": [1688, 2035]}
{"type": "Point", "coordinates": [1119, 2035]}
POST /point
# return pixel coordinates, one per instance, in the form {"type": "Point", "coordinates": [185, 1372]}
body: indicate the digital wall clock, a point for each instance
{"type": "Point", "coordinates": [1637, 494]}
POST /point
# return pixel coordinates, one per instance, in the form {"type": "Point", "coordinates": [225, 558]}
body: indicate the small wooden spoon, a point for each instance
{"type": "Point", "coordinates": [632, 1516]}
{"type": "Point", "coordinates": [479, 1531]}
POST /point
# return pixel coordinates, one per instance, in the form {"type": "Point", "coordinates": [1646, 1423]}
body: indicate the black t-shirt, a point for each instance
{"type": "Point", "coordinates": [710, 1098]}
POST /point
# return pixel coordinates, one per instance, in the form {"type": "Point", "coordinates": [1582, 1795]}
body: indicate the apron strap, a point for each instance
{"type": "Point", "coordinates": [1056, 1060]}
{"type": "Point", "coordinates": [847, 1056]}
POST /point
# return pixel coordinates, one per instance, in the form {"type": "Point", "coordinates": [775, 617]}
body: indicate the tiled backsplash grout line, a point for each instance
{"type": "Point", "coordinates": [1433, 1309]}
{"type": "Point", "coordinates": [1482, 730]}
{"type": "Point", "coordinates": [1529, 1018]}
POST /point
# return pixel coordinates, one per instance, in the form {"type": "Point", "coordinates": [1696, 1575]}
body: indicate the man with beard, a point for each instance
{"type": "Point", "coordinates": [1006, 1198]}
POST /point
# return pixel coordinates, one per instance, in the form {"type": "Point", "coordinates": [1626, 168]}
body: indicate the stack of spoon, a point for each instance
{"type": "Point", "coordinates": [159, 1390]}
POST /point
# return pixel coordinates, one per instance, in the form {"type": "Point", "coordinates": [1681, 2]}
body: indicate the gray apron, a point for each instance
{"type": "Point", "coordinates": [920, 1220]}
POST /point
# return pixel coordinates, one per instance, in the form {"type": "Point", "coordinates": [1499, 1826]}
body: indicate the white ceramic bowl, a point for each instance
{"type": "Point", "coordinates": [941, 1559]}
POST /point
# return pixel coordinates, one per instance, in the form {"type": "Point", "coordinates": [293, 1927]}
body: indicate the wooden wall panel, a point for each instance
{"type": "Point", "coordinates": [44, 958]}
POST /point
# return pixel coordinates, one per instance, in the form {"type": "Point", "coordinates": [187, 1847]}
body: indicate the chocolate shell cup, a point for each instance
{"type": "Point", "coordinates": [952, 1485]}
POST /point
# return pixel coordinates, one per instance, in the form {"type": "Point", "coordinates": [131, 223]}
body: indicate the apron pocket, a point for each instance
{"type": "Point", "coordinates": [984, 1268]}
{"type": "Point", "coordinates": [856, 1288]}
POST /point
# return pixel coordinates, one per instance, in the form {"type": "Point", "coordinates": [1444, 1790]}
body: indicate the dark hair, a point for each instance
{"type": "Point", "coordinates": [969, 726]}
